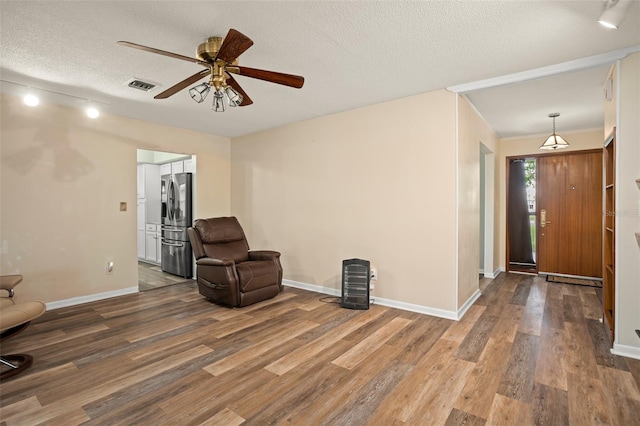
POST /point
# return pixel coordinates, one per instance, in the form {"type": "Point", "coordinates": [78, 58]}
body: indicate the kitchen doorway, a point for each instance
{"type": "Point", "coordinates": [151, 276]}
{"type": "Point", "coordinates": [156, 249]}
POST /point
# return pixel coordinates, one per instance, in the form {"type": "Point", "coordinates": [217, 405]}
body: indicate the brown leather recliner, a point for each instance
{"type": "Point", "coordinates": [228, 273]}
{"type": "Point", "coordinates": [15, 317]}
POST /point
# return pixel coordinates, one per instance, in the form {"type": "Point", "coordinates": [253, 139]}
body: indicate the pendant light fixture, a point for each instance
{"type": "Point", "coordinates": [554, 141]}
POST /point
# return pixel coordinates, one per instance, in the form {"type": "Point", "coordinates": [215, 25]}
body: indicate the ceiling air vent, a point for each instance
{"type": "Point", "coordinates": [140, 85]}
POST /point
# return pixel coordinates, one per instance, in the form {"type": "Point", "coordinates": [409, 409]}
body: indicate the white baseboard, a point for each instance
{"type": "Point", "coordinates": [90, 298]}
{"type": "Point", "coordinates": [435, 312]}
{"type": "Point", "coordinates": [312, 287]}
{"type": "Point", "coordinates": [624, 350]}
{"type": "Point", "coordinates": [495, 273]}
{"type": "Point", "coordinates": [465, 307]}
{"type": "Point", "coordinates": [481, 271]}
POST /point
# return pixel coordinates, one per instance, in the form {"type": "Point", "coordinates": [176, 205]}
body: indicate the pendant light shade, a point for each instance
{"type": "Point", "coordinates": [554, 141]}
{"type": "Point", "coordinates": [199, 93]}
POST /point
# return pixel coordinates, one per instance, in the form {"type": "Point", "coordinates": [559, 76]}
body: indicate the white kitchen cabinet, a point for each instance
{"type": "Point", "coordinates": [140, 186]}
{"type": "Point", "coordinates": [158, 246]}
{"type": "Point", "coordinates": [190, 165]}
{"type": "Point", "coordinates": [151, 254]}
{"type": "Point", "coordinates": [149, 190]}
{"type": "Point", "coordinates": [153, 246]}
{"type": "Point", "coordinates": [165, 169]}
{"type": "Point", "coordinates": [149, 181]}
{"type": "Point", "coordinates": [140, 216]}
{"type": "Point", "coordinates": [177, 167]}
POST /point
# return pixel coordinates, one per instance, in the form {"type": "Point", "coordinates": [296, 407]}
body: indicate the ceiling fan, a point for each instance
{"type": "Point", "coordinates": [220, 58]}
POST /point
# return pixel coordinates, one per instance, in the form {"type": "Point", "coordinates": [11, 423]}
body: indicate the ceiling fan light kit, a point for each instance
{"type": "Point", "coordinates": [218, 101]}
{"type": "Point", "coordinates": [220, 57]}
{"type": "Point", "coordinates": [554, 141]}
{"type": "Point", "coordinates": [235, 98]}
{"type": "Point", "coordinates": [199, 93]}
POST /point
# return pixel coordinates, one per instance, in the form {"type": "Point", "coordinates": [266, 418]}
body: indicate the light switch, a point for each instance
{"type": "Point", "coordinates": [123, 206]}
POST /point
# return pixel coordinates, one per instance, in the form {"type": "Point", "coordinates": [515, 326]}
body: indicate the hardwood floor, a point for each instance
{"type": "Point", "coordinates": [527, 352]}
{"type": "Point", "coordinates": [151, 277]}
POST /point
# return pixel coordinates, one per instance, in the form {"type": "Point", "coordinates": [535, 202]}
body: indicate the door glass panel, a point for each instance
{"type": "Point", "coordinates": [521, 215]}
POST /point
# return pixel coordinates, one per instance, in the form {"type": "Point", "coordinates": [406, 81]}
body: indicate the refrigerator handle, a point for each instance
{"type": "Point", "coordinates": [164, 243]}
{"type": "Point", "coordinates": [170, 199]}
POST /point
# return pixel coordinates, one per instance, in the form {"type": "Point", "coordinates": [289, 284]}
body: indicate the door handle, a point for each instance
{"type": "Point", "coordinates": [543, 218]}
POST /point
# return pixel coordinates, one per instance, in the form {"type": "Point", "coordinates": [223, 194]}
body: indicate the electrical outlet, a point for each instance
{"type": "Point", "coordinates": [109, 268]}
{"type": "Point", "coordinates": [373, 274]}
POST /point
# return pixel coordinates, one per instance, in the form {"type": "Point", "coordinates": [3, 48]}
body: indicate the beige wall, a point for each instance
{"type": "Point", "coordinates": [376, 183]}
{"type": "Point", "coordinates": [591, 139]}
{"type": "Point", "coordinates": [63, 176]}
{"type": "Point", "coordinates": [628, 203]}
{"type": "Point", "coordinates": [472, 131]}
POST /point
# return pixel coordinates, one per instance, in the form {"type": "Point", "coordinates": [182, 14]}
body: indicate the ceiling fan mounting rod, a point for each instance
{"type": "Point", "coordinates": [218, 79]}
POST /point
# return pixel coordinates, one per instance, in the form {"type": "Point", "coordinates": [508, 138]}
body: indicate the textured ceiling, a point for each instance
{"type": "Point", "coordinates": [351, 54]}
{"type": "Point", "coordinates": [523, 108]}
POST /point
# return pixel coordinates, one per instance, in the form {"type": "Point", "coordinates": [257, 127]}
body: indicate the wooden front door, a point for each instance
{"type": "Point", "coordinates": [569, 211]}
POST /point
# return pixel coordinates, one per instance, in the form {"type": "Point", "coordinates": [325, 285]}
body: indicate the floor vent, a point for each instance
{"type": "Point", "coordinates": [140, 85]}
{"type": "Point", "coordinates": [355, 283]}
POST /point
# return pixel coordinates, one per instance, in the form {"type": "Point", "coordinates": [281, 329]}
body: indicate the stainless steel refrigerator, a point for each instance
{"type": "Point", "coordinates": [175, 197]}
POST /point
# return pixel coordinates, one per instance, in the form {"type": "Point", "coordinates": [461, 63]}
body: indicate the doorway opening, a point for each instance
{"type": "Point", "coordinates": [521, 215]}
{"type": "Point", "coordinates": [158, 241]}
{"type": "Point", "coordinates": [487, 215]}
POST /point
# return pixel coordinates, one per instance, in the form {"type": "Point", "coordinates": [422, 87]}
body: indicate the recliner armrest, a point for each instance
{"type": "Point", "coordinates": [263, 255]}
{"type": "Point", "coordinates": [209, 261]}
{"type": "Point", "coordinates": [8, 282]}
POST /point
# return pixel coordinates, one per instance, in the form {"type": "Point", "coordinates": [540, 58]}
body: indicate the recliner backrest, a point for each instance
{"type": "Point", "coordinates": [223, 238]}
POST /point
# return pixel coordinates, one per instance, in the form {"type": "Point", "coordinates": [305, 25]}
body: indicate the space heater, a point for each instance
{"type": "Point", "coordinates": [355, 283]}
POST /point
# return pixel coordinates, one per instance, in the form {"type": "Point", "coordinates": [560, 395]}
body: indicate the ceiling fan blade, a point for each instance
{"type": "Point", "coordinates": [184, 83]}
{"type": "Point", "coordinates": [246, 100]}
{"type": "Point", "coordinates": [271, 76]}
{"type": "Point", "coordinates": [162, 52]}
{"type": "Point", "coordinates": [234, 45]}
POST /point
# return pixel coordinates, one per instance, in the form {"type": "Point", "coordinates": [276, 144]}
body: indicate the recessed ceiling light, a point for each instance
{"type": "Point", "coordinates": [92, 112]}
{"type": "Point", "coordinates": [31, 100]}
